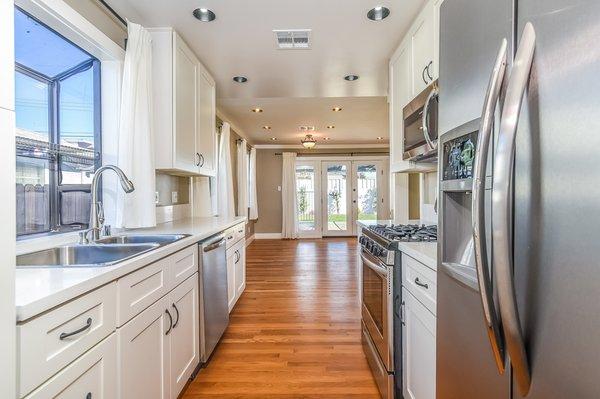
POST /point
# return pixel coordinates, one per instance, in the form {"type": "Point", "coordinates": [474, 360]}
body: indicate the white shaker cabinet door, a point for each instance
{"type": "Point", "coordinates": [231, 293]}
{"type": "Point", "coordinates": [185, 338]}
{"type": "Point", "coordinates": [422, 38]}
{"type": "Point", "coordinates": [206, 139]}
{"type": "Point", "coordinates": [185, 75]}
{"type": "Point", "coordinates": [144, 354]}
{"type": "Point", "coordinates": [418, 348]}
{"type": "Point", "coordinates": [240, 270]}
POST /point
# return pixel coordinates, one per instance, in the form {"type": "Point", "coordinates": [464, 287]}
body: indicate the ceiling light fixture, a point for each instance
{"type": "Point", "coordinates": [273, 138]}
{"type": "Point", "coordinates": [336, 109]}
{"type": "Point", "coordinates": [204, 14]}
{"type": "Point", "coordinates": [330, 127]}
{"type": "Point", "coordinates": [309, 141]}
{"type": "Point", "coordinates": [379, 138]}
{"type": "Point", "coordinates": [267, 127]}
{"type": "Point", "coordinates": [351, 78]}
{"type": "Point", "coordinates": [378, 13]}
{"type": "Point", "coordinates": [257, 110]}
{"type": "Point", "coordinates": [326, 138]}
{"type": "Point", "coordinates": [240, 79]}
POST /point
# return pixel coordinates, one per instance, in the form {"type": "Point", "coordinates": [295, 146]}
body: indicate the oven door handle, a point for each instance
{"type": "Point", "coordinates": [425, 119]}
{"type": "Point", "coordinates": [492, 322]}
{"type": "Point", "coordinates": [382, 271]}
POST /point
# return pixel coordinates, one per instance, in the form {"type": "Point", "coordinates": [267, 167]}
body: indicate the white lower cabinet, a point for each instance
{"type": "Point", "coordinates": [236, 272]}
{"type": "Point", "coordinates": [418, 347]}
{"type": "Point", "coordinates": [92, 376]}
{"type": "Point", "coordinates": [185, 338]}
{"type": "Point", "coordinates": [158, 349]}
{"type": "Point", "coordinates": [144, 354]}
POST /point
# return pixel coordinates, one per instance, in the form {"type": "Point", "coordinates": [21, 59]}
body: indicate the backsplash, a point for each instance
{"type": "Point", "coordinates": [166, 185]}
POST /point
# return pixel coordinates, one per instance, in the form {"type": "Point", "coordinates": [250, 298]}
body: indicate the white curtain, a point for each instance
{"type": "Point", "coordinates": [289, 225]}
{"type": "Point", "coordinates": [224, 199]}
{"type": "Point", "coordinates": [242, 178]}
{"type": "Point", "coordinates": [136, 140]}
{"type": "Point", "coordinates": [253, 200]}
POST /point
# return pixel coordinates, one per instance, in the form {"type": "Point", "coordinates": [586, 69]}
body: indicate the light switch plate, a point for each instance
{"type": "Point", "coordinates": [278, 188]}
{"type": "Point", "coordinates": [174, 197]}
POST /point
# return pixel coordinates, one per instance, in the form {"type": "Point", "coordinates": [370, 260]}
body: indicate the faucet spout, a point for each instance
{"type": "Point", "coordinates": [97, 212]}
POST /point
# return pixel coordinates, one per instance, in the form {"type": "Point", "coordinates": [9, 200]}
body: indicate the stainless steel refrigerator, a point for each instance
{"type": "Point", "coordinates": [519, 249]}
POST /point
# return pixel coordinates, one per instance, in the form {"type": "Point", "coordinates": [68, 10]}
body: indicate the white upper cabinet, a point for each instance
{"type": "Point", "coordinates": [184, 107]}
{"type": "Point", "coordinates": [412, 67]}
{"type": "Point", "coordinates": [422, 35]}
{"type": "Point", "coordinates": [206, 137]}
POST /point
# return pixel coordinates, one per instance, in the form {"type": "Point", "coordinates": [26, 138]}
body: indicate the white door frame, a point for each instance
{"type": "Point", "coordinates": [317, 232]}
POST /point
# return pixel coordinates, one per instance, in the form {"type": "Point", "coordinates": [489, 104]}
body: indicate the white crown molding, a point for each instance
{"type": "Point", "coordinates": [320, 146]}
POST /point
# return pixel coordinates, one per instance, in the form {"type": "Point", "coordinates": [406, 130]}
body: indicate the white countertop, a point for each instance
{"type": "Point", "coordinates": [40, 289]}
{"type": "Point", "coordinates": [424, 252]}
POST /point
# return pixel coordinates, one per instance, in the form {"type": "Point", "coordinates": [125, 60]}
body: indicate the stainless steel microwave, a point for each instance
{"type": "Point", "coordinates": [421, 127]}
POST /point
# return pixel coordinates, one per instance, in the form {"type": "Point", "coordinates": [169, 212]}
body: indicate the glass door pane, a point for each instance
{"type": "Point", "coordinates": [308, 200]}
{"type": "Point", "coordinates": [366, 191]}
{"type": "Point", "coordinates": [336, 183]}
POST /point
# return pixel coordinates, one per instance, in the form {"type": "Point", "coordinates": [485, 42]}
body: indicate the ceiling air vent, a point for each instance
{"type": "Point", "coordinates": [293, 39]}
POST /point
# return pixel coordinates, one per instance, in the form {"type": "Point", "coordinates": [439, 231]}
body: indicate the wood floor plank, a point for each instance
{"type": "Point", "coordinates": [295, 332]}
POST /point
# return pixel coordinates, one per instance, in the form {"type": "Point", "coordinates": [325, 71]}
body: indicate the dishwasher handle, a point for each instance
{"type": "Point", "coordinates": [218, 242]}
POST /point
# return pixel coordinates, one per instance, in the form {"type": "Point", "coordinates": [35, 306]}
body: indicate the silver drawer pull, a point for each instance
{"type": "Point", "coordinates": [88, 324]}
{"type": "Point", "coordinates": [420, 284]}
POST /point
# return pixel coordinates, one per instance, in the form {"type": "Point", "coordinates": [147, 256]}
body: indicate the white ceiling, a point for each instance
{"type": "Point", "coordinates": [241, 42]}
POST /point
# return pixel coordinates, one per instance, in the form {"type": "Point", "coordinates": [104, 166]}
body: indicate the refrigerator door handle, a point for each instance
{"type": "Point", "coordinates": [502, 209]}
{"type": "Point", "coordinates": [492, 322]}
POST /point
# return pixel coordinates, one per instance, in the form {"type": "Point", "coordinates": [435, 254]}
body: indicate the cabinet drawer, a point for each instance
{"type": "Point", "coordinates": [93, 375]}
{"type": "Point", "coordinates": [182, 265]}
{"type": "Point", "coordinates": [420, 281]}
{"type": "Point", "coordinates": [240, 231]}
{"type": "Point", "coordinates": [50, 342]}
{"type": "Point", "coordinates": [141, 289]}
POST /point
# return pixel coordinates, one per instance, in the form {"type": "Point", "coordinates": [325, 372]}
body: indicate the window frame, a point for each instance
{"type": "Point", "coordinates": [55, 186]}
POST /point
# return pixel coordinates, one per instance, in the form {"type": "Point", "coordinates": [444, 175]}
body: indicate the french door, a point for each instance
{"type": "Point", "coordinates": [336, 198]}
{"type": "Point", "coordinates": [333, 195]}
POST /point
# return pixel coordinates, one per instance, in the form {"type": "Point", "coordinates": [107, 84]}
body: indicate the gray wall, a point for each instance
{"type": "Point", "coordinates": [268, 176]}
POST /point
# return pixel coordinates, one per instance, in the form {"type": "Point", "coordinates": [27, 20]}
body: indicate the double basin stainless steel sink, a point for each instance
{"type": "Point", "coordinates": [104, 252]}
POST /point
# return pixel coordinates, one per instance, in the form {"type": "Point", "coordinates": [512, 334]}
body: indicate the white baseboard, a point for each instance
{"type": "Point", "coordinates": [267, 236]}
{"type": "Point", "coordinates": [250, 239]}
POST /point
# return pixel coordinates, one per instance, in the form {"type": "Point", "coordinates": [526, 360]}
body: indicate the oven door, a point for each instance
{"type": "Point", "coordinates": [377, 306]}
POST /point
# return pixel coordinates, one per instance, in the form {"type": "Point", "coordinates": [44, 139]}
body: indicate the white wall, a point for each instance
{"type": "Point", "coordinates": [7, 210]}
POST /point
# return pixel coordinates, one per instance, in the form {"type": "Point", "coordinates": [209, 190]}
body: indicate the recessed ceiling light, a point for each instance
{"type": "Point", "coordinates": [204, 14]}
{"type": "Point", "coordinates": [330, 127]}
{"type": "Point", "coordinates": [378, 13]}
{"type": "Point", "coordinates": [273, 138]}
{"type": "Point", "coordinates": [326, 138]}
{"type": "Point", "coordinates": [379, 138]}
{"type": "Point", "coordinates": [336, 109]}
{"type": "Point", "coordinates": [351, 78]}
{"type": "Point", "coordinates": [257, 110]}
{"type": "Point", "coordinates": [267, 127]}
{"type": "Point", "coordinates": [240, 79]}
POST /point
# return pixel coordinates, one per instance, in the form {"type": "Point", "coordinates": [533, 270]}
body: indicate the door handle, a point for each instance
{"type": "Point", "coordinates": [201, 162]}
{"type": "Point", "coordinates": [423, 75]}
{"type": "Point", "coordinates": [170, 321]}
{"type": "Point", "coordinates": [427, 70]}
{"type": "Point", "coordinates": [402, 309]}
{"type": "Point", "coordinates": [88, 324]}
{"type": "Point", "coordinates": [492, 322]}
{"type": "Point", "coordinates": [176, 314]}
{"type": "Point", "coordinates": [425, 119]}
{"type": "Point", "coordinates": [502, 208]}
{"type": "Point", "coordinates": [197, 159]}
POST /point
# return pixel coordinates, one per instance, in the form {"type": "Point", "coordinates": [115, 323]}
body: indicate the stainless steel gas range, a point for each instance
{"type": "Point", "coordinates": [382, 300]}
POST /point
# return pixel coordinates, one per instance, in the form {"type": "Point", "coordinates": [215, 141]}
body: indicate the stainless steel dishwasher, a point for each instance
{"type": "Point", "coordinates": [214, 312]}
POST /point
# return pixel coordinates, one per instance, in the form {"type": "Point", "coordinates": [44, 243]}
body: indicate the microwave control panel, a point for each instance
{"type": "Point", "coordinates": [458, 157]}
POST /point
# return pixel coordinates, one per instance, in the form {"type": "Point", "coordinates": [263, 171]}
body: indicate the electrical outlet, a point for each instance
{"type": "Point", "coordinates": [156, 197]}
{"type": "Point", "coordinates": [174, 197]}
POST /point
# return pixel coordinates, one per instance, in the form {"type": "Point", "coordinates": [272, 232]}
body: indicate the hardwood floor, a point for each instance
{"type": "Point", "coordinates": [295, 332]}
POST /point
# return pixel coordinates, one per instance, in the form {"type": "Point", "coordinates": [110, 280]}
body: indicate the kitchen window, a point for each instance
{"type": "Point", "coordinates": [58, 146]}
